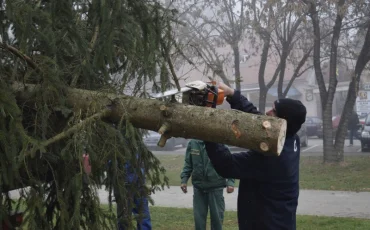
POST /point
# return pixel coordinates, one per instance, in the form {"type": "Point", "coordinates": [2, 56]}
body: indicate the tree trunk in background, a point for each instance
{"type": "Point", "coordinates": [261, 75]}
{"type": "Point", "coordinates": [256, 132]}
{"type": "Point", "coordinates": [329, 151]}
{"type": "Point", "coordinates": [361, 63]}
{"type": "Point", "coordinates": [331, 155]}
{"type": "Point", "coordinates": [283, 58]}
{"type": "Point", "coordinates": [262, 99]}
{"type": "Point", "coordinates": [237, 67]}
{"type": "Point", "coordinates": [223, 77]}
{"type": "Point", "coordinates": [341, 133]}
{"type": "Point", "coordinates": [297, 72]}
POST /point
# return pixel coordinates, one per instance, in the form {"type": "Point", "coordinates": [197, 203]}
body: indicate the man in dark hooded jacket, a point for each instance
{"type": "Point", "coordinates": [269, 186]}
{"type": "Point", "coordinates": [353, 126]}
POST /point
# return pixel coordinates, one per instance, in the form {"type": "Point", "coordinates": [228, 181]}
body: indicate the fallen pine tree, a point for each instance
{"type": "Point", "coordinates": [262, 133]}
{"type": "Point", "coordinates": [56, 69]}
{"type": "Point", "coordinates": [40, 162]}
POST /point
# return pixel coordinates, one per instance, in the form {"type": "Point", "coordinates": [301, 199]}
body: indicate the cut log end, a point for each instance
{"type": "Point", "coordinates": [162, 141]}
{"type": "Point", "coordinates": [164, 128]}
{"type": "Point", "coordinates": [264, 146]}
{"type": "Point", "coordinates": [165, 111]}
{"type": "Point", "coordinates": [281, 137]}
{"type": "Point", "coordinates": [163, 107]}
{"type": "Point", "coordinates": [266, 124]}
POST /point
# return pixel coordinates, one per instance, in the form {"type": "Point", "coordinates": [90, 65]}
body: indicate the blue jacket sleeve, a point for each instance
{"type": "Point", "coordinates": [238, 166]}
{"type": "Point", "coordinates": [239, 102]}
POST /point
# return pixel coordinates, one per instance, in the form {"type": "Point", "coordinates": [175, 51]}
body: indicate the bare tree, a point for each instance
{"type": "Point", "coordinates": [288, 35]}
{"type": "Point", "coordinates": [212, 26]}
{"type": "Point", "coordinates": [344, 13]}
{"type": "Point", "coordinates": [277, 25]}
{"type": "Point", "coordinates": [362, 60]}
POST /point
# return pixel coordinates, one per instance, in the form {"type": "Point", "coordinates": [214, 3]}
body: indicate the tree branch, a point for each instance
{"type": "Point", "coordinates": [316, 50]}
{"type": "Point", "coordinates": [91, 47]}
{"type": "Point", "coordinates": [72, 130]}
{"type": "Point", "coordinates": [296, 71]}
{"type": "Point", "coordinates": [19, 54]}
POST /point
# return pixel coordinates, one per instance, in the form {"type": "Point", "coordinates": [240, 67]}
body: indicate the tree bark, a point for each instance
{"type": "Point", "coordinates": [261, 74]}
{"type": "Point", "coordinates": [331, 154]}
{"type": "Point", "coordinates": [361, 63]}
{"type": "Point", "coordinates": [237, 66]}
{"type": "Point", "coordinates": [297, 72]}
{"type": "Point", "coordinates": [283, 59]}
{"type": "Point", "coordinates": [261, 133]}
{"type": "Point", "coordinates": [316, 53]}
{"type": "Point", "coordinates": [262, 99]}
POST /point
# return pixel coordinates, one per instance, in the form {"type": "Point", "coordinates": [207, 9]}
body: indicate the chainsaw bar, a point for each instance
{"type": "Point", "coordinates": [170, 92]}
{"type": "Point", "coordinates": [199, 85]}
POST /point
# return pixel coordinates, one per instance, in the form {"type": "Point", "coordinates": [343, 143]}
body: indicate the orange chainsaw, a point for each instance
{"type": "Point", "coordinates": [197, 93]}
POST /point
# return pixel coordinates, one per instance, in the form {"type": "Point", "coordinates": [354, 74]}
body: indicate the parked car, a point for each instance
{"type": "Point", "coordinates": [314, 126]}
{"type": "Point", "coordinates": [365, 135]}
{"type": "Point", "coordinates": [152, 139]}
{"type": "Point", "coordinates": [336, 120]}
{"type": "Point", "coordinates": [302, 133]}
{"type": "Point", "coordinates": [362, 118]}
{"type": "Point", "coordinates": [335, 123]}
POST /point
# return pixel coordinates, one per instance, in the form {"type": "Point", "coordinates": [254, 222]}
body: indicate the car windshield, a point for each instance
{"type": "Point", "coordinates": [318, 120]}
{"type": "Point", "coordinates": [367, 123]}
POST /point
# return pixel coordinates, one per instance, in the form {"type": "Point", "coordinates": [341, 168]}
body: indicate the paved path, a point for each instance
{"type": "Point", "coordinates": [311, 202]}
{"type": "Point", "coordinates": [314, 148]}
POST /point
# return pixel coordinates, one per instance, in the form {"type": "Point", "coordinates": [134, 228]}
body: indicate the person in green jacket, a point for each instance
{"type": "Point", "coordinates": [208, 186]}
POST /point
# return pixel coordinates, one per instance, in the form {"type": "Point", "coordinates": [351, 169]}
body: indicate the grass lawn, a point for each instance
{"type": "Point", "coordinates": [352, 175]}
{"type": "Point", "coordinates": [164, 218]}
{"type": "Point", "coordinates": [181, 219]}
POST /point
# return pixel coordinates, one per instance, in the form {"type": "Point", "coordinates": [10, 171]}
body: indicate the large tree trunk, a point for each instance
{"type": "Point", "coordinates": [331, 154]}
{"type": "Point", "coordinates": [327, 95]}
{"type": "Point", "coordinates": [328, 145]}
{"type": "Point", "coordinates": [256, 132]}
{"type": "Point", "coordinates": [361, 63]}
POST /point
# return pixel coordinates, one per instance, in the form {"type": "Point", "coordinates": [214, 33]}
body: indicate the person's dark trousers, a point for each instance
{"type": "Point", "coordinates": [140, 210]}
{"type": "Point", "coordinates": [143, 220]}
{"type": "Point", "coordinates": [353, 133]}
{"type": "Point", "coordinates": [213, 199]}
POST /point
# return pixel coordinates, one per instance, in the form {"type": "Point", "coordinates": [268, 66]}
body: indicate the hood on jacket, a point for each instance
{"type": "Point", "coordinates": [293, 111]}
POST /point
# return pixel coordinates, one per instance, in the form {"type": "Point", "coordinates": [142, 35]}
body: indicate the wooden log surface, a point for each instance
{"type": "Point", "coordinates": [261, 133]}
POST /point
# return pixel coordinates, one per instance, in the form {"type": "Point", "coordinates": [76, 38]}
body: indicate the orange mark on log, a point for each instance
{"type": "Point", "coordinates": [234, 127]}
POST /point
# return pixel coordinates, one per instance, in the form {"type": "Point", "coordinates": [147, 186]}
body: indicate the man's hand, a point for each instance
{"type": "Point", "coordinates": [230, 189]}
{"type": "Point", "coordinates": [228, 91]}
{"type": "Point", "coordinates": [184, 188]}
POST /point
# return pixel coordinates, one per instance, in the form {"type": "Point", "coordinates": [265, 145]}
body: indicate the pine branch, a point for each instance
{"type": "Point", "coordinates": [92, 44]}
{"type": "Point", "coordinates": [70, 131]}
{"type": "Point", "coordinates": [76, 127]}
{"type": "Point", "coordinates": [19, 54]}
{"type": "Point", "coordinates": [166, 55]}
